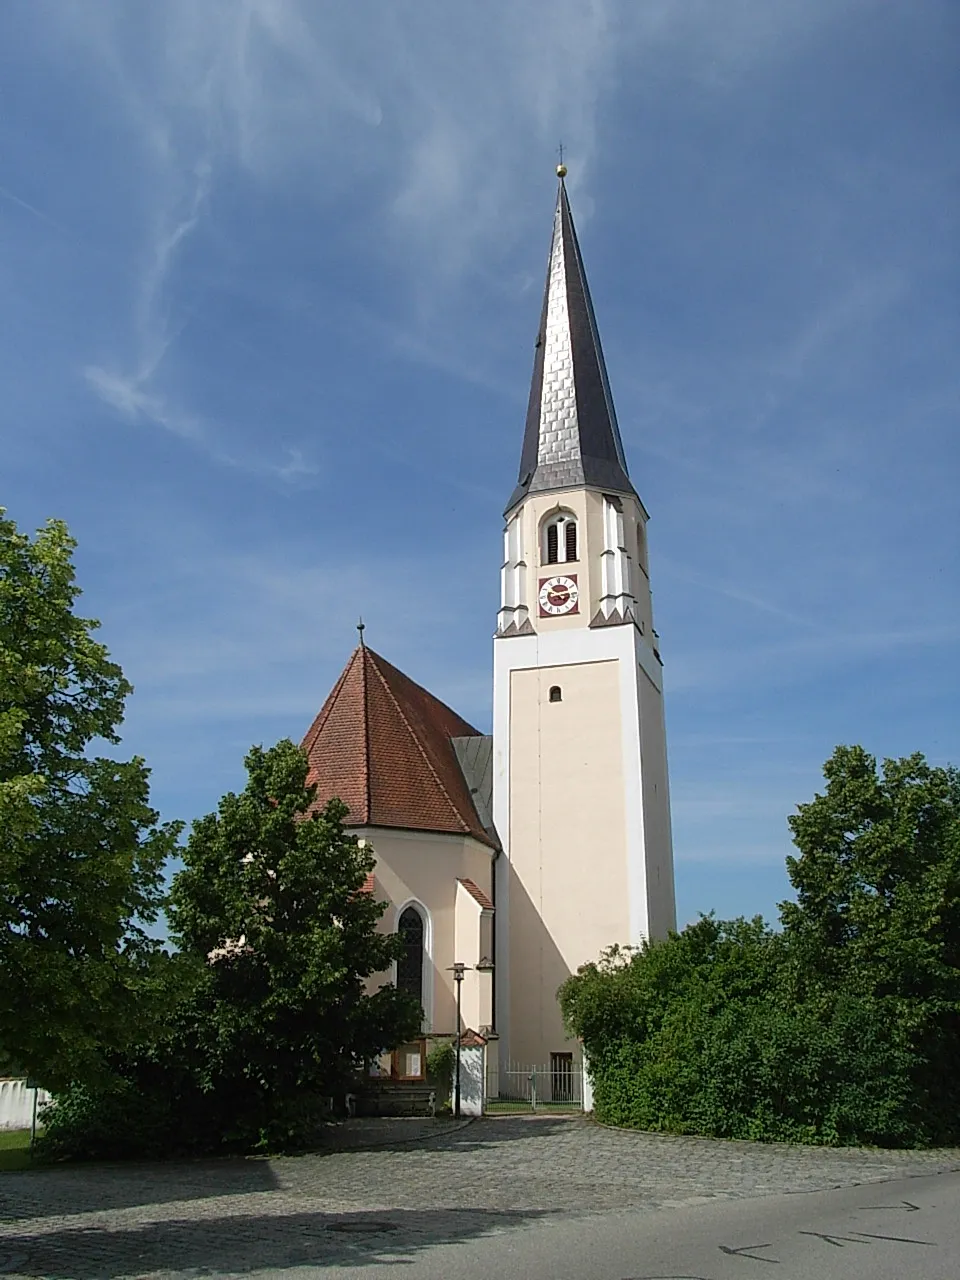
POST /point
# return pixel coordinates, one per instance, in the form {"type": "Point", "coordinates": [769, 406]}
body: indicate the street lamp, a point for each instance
{"type": "Point", "coordinates": [458, 970]}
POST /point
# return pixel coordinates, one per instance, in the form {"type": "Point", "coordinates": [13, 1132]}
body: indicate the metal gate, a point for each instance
{"type": "Point", "coordinates": [556, 1086]}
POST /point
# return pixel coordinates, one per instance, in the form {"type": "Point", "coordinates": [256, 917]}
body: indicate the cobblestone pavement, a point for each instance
{"type": "Point", "coordinates": [422, 1184]}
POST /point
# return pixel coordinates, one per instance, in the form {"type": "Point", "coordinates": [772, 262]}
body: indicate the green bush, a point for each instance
{"type": "Point", "coordinates": [153, 1107]}
{"type": "Point", "coordinates": [441, 1064]}
{"type": "Point", "coordinates": [842, 1028]}
{"type": "Point", "coordinates": [726, 1064]}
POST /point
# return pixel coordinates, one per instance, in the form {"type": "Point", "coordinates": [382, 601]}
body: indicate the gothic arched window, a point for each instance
{"type": "Point", "coordinates": [410, 964]}
{"type": "Point", "coordinates": [560, 539]}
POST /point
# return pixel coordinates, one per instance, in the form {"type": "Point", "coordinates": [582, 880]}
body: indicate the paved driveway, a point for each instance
{"type": "Point", "coordinates": [232, 1218]}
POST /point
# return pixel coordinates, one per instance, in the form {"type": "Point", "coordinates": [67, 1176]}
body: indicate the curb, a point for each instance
{"type": "Point", "coordinates": [453, 1127]}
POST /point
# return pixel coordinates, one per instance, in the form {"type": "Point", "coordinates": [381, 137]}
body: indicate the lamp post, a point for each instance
{"type": "Point", "coordinates": [457, 969]}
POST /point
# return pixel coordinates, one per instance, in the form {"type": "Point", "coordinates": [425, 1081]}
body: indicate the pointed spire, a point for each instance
{"type": "Point", "coordinates": [571, 436]}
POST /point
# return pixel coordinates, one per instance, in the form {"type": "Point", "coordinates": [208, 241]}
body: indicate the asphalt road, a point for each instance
{"type": "Point", "coordinates": [905, 1230]}
{"type": "Point", "coordinates": [543, 1198]}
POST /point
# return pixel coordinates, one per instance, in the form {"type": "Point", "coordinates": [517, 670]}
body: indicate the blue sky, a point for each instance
{"type": "Point", "coordinates": [270, 277]}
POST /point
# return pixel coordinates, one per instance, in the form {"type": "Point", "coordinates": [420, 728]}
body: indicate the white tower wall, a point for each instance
{"type": "Point", "coordinates": [580, 791]}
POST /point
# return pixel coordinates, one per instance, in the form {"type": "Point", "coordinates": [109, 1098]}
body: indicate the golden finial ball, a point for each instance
{"type": "Point", "coordinates": [561, 170]}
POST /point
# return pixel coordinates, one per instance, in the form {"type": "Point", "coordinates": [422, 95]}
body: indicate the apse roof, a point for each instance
{"type": "Point", "coordinates": [571, 436]}
{"type": "Point", "coordinates": [383, 745]}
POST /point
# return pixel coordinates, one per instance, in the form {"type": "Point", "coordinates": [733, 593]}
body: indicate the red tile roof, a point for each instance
{"type": "Point", "coordinates": [382, 744]}
{"type": "Point", "coordinates": [477, 894]}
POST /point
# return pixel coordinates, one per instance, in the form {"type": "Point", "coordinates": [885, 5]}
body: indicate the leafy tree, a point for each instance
{"type": "Point", "coordinates": [878, 907]}
{"type": "Point", "coordinates": [81, 854]}
{"type": "Point", "coordinates": [277, 942]}
{"type": "Point", "coordinates": [271, 900]}
{"type": "Point", "coordinates": [878, 878]}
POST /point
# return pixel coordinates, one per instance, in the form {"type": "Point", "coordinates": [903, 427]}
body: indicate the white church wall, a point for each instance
{"type": "Point", "coordinates": [635, 662]}
{"type": "Point", "coordinates": [660, 891]}
{"type": "Point", "coordinates": [424, 866]}
{"type": "Point", "coordinates": [567, 837]}
{"type": "Point", "coordinates": [471, 923]}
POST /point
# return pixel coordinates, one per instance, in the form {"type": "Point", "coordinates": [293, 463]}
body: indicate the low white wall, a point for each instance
{"type": "Point", "coordinates": [587, 1084]}
{"type": "Point", "coordinates": [471, 1080]}
{"type": "Point", "coordinates": [16, 1104]}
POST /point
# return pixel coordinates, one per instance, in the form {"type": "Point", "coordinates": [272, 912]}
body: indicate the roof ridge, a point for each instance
{"type": "Point", "coordinates": [413, 734]}
{"type": "Point", "coordinates": [379, 658]}
{"type": "Point", "coordinates": [362, 651]}
{"type": "Point", "coordinates": [331, 701]}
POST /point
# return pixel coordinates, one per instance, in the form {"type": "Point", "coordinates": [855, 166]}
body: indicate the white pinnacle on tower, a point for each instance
{"type": "Point", "coordinates": [580, 793]}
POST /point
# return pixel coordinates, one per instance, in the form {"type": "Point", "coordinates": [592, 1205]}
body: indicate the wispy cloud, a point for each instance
{"type": "Point", "coordinates": [137, 405]}
{"type": "Point", "coordinates": [31, 209]}
{"type": "Point", "coordinates": [127, 395]}
{"type": "Point", "coordinates": [285, 90]}
{"type": "Point", "coordinates": [137, 396]}
{"type": "Point", "coordinates": [173, 227]}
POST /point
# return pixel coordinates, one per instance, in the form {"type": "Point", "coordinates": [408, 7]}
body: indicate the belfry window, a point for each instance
{"type": "Point", "coordinates": [570, 539]}
{"type": "Point", "coordinates": [560, 540]}
{"type": "Point", "coordinates": [556, 693]}
{"type": "Point", "coordinates": [553, 541]}
{"type": "Point", "coordinates": [410, 964]}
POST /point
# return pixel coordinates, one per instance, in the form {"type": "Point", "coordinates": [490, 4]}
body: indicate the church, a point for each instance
{"type": "Point", "coordinates": [521, 855]}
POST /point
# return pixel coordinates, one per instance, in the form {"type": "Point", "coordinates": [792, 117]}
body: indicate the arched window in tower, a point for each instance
{"type": "Point", "coordinates": [410, 965]}
{"type": "Point", "coordinates": [560, 539]}
{"type": "Point", "coordinates": [556, 693]}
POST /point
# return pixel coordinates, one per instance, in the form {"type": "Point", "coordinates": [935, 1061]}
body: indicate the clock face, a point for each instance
{"type": "Point", "coordinates": [558, 595]}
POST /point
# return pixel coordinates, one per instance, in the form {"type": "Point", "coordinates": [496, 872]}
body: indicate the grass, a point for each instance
{"type": "Point", "coordinates": [14, 1150]}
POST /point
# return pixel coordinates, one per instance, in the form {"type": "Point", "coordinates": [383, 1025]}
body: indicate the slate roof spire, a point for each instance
{"type": "Point", "coordinates": [571, 436]}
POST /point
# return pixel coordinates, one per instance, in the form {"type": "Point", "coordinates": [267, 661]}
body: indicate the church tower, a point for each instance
{"type": "Point", "coordinates": [580, 792]}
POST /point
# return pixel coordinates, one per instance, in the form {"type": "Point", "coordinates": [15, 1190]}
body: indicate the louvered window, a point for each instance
{"type": "Point", "coordinates": [553, 543]}
{"type": "Point", "coordinates": [556, 693]}
{"type": "Point", "coordinates": [570, 539]}
{"type": "Point", "coordinates": [560, 540]}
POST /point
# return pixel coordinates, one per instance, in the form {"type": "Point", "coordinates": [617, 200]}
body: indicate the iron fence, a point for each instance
{"type": "Point", "coordinates": [517, 1086]}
